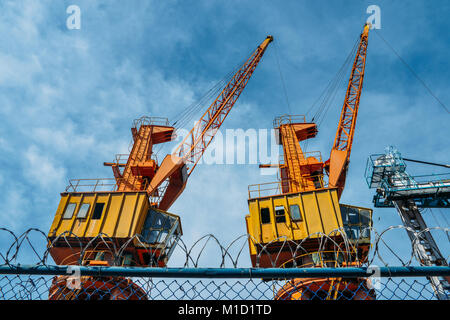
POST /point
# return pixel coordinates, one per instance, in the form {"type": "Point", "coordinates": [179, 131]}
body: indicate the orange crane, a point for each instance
{"type": "Point", "coordinates": [90, 225]}
{"type": "Point", "coordinates": [306, 173]}
{"type": "Point", "coordinates": [288, 220]}
{"type": "Point", "coordinates": [337, 165]}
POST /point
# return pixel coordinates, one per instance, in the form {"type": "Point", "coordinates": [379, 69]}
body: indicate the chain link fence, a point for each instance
{"type": "Point", "coordinates": [18, 283]}
{"type": "Point", "coordinates": [27, 273]}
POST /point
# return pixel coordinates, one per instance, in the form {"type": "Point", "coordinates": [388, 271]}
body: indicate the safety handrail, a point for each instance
{"type": "Point", "coordinates": [288, 119]}
{"type": "Point", "coordinates": [276, 187]}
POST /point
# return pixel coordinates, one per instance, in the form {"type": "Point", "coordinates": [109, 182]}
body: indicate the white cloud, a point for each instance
{"type": "Point", "coordinates": [41, 170]}
{"type": "Point", "coordinates": [18, 72]}
{"type": "Point", "coordinates": [14, 207]}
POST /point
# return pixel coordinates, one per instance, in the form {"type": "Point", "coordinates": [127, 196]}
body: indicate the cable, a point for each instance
{"type": "Point", "coordinates": [443, 216]}
{"type": "Point", "coordinates": [326, 98]}
{"type": "Point", "coordinates": [446, 222]}
{"type": "Point", "coordinates": [328, 95]}
{"type": "Point", "coordinates": [413, 72]}
{"type": "Point", "coordinates": [438, 224]}
{"type": "Point", "coordinates": [281, 77]}
{"type": "Point", "coordinates": [430, 163]}
{"type": "Point", "coordinates": [186, 116]}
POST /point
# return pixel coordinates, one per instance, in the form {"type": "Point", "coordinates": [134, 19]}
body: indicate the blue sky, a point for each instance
{"type": "Point", "coordinates": [68, 97]}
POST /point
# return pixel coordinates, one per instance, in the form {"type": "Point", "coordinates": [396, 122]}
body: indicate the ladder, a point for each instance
{"type": "Point", "coordinates": [141, 151]}
{"type": "Point", "coordinates": [293, 156]}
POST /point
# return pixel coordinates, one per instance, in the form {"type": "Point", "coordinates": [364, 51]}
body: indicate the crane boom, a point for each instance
{"type": "Point", "coordinates": [340, 153]}
{"type": "Point", "coordinates": [179, 165]}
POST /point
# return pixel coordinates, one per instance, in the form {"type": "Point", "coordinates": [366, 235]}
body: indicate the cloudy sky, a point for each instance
{"type": "Point", "coordinates": [68, 96]}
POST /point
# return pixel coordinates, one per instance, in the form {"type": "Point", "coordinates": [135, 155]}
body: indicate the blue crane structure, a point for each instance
{"type": "Point", "coordinates": [395, 187]}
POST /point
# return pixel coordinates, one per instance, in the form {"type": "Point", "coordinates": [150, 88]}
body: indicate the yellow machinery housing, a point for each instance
{"type": "Point", "coordinates": [279, 225]}
{"type": "Point", "coordinates": [105, 222]}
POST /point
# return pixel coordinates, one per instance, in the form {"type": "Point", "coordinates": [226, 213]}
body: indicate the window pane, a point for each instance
{"type": "Point", "coordinates": [365, 217]}
{"type": "Point", "coordinates": [158, 220]}
{"type": "Point", "coordinates": [265, 215]}
{"type": "Point", "coordinates": [279, 214]}
{"type": "Point", "coordinates": [98, 210]}
{"type": "Point", "coordinates": [150, 236]}
{"type": "Point", "coordinates": [82, 213]}
{"type": "Point", "coordinates": [295, 212]}
{"type": "Point", "coordinates": [350, 234]}
{"type": "Point", "coordinates": [365, 233]}
{"type": "Point", "coordinates": [353, 216]}
{"type": "Point", "coordinates": [162, 236]}
{"type": "Point", "coordinates": [69, 210]}
{"type": "Point", "coordinates": [157, 226]}
{"type": "Point", "coordinates": [167, 224]}
{"type": "Point", "coordinates": [344, 213]}
{"type": "Point", "coordinates": [356, 232]}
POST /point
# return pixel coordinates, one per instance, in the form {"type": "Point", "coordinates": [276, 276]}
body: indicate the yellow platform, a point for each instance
{"type": "Point", "coordinates": [277, 223]}
{"type": "Point", "coordinates": [118, 217]}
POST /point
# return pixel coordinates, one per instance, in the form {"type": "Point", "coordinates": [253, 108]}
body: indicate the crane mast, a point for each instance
{"type": "Point", "coordinates": [337, 165]}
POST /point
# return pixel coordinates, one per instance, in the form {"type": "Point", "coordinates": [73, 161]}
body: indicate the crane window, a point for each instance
{"type": "Point", "coordinates": [295, 212]}
{"type": "Point", "coordinates": [82, 213]}
{"type": "Point", "coordinates": [265, 215]}
{"type": "Point", "coordinates": [357, 222]}
{"type": "Point", "coordinates": [279, 214]}
{"type": "Point", "coordinates": [157, 227]}
{"type": "Point", "coordinates": [365, 217]}
{"type": "Point", "coordinates": [98, 210]}
{"type": "Point", "coordinates": [68, 213]}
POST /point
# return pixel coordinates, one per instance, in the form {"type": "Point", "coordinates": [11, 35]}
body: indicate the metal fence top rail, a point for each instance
{"type": "Point", "coordinates": [266, 273]}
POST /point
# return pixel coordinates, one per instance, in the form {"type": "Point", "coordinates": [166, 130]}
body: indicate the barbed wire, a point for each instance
{"type": "Point", "coordinates": [38, 248]}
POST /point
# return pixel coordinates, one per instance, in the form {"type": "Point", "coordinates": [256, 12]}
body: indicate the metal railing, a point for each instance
{"type": "Point", "coordinates": [288, 119]}
{"type": "Point", "coordinates": [268, 189]}
{"type": "Point", "coordinates": [145, 120]}
{"type": "Point", "coordinates": [101, 185]}
{"type": "Point", "coordinates": [394, 184]}
{"type": "Point", "coordinates": [92, 185]}
{"type": "Point", "coordinates": [315, 154]}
